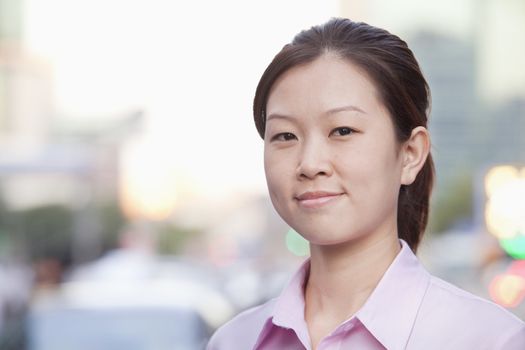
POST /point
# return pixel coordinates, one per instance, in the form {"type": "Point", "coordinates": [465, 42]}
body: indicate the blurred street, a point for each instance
{"type": "Point", "coordinates": [133, 205]}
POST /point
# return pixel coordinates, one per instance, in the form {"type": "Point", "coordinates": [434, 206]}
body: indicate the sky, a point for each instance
{"type": "Point", "coordinates": [193, 66]}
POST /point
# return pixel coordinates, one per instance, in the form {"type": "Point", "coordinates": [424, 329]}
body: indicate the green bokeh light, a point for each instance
{"type": "Point", "coordinates": [296, 244]}
{"type": "Point", "coordinates": [515, 246]}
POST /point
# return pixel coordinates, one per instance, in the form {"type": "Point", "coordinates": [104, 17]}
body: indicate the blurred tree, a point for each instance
{"type": "Point", "coordinates": [172, 239]}
{"type": "Point", "coordinates": [453, 206]}
{"type": "Point", "coordinates": [4, 228]}
{"type": "Point", "coordinates": [45, 232]}
{"type": "Point", "coordinates": [112, 221]}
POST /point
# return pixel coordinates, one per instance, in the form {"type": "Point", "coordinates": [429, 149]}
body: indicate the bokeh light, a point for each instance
{"type": "Point", "coordinates": [505, 189]}
{"type": "Point", "coordinates": [498, 176]}
{"type": "Point", "coordinates": [514, 246]}
{"type": "Point", "coordinates": [296, 244]}
{"type": "Point", "coordinates": [505, 219]}
{"type": "Point", "coordinates": [508, 289]}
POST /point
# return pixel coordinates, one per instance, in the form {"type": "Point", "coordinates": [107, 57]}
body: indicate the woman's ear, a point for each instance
{"type": "Point", "coordinates": [414, 152]}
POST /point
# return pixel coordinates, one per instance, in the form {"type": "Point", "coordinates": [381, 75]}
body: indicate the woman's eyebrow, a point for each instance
{"type": "Point", "coordinates": [347, 108]}
{"type": "Point", "coordinates": [278, 116]}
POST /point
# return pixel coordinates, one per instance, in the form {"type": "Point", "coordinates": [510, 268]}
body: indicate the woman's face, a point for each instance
{"type": "Point", "coordinates": [332, 163]}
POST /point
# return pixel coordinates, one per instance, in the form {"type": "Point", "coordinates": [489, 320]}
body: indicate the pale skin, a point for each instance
{"type": "Point", "coordinates": [334, 169]}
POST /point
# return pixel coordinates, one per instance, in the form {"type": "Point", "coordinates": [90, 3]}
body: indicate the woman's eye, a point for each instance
{"type": "Point", "coordinates": [284, 136]}
{"type": "Point", "coordinates": [342, 131]}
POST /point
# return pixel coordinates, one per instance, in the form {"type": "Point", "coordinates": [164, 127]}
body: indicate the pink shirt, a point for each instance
{"type": "Point", "coordinates": [409, 309]}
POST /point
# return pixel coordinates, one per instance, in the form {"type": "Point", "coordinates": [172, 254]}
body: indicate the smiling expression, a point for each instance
{"type": "Point", "coordinates": [332, 162]}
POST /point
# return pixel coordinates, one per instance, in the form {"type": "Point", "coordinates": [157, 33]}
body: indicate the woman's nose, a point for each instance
{"type": "Point", "coordinates": [313, 161]}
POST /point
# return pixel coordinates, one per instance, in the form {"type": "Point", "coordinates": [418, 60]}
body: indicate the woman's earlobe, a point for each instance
{"type": "Point", "coordinates": [416, 150]}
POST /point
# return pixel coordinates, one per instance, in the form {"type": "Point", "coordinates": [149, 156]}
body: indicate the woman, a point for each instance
{"type": "Point", "coordinates": [343, 114]}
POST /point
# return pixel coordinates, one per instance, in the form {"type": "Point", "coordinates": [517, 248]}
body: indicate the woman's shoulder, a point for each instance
{"type": "Point", "coordinates": [461, 303]}
{"type": "Point", "coordinates": [467, 319]}
{"type": "Point", "coordinates": [242, 331]}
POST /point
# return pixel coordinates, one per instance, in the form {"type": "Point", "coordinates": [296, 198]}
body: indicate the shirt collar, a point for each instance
{"type": "Point", "coordinates": [289, 308]}
{"type": "Point", "coordinates": [389, 312]}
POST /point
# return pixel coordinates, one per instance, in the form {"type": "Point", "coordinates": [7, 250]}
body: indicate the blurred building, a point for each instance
{"type": "Point", "coordinates": [25, 86]}
{"type": "Point", "coordinates": [469, 133]}
{"type": "Point", "coordinates": [44, 161]}
{"type": "Point", "coordinates": [504, 133]}
{"type": "Point", "coordinates": [449, 66]}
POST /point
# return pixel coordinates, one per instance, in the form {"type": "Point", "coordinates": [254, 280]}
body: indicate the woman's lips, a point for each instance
{"type": "Point", "coordinates": [317, 199]}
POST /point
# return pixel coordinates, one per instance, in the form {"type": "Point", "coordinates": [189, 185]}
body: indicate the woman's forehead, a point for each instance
{"type": "Point", "coordinates": [325, 84]}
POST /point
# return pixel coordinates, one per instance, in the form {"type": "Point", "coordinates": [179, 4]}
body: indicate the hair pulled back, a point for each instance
{"type": "Point", "coordinates": [401, 86]}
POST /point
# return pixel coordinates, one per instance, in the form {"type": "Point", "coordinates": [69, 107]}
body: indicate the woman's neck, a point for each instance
{"type": "Point", "coordinates": [342, 277]}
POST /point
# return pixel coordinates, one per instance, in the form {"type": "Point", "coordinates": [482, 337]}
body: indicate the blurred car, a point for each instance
{"type": "Point", "coordinates": [132, 302]}
{"type": "Point", "coordinates": [132, 328]}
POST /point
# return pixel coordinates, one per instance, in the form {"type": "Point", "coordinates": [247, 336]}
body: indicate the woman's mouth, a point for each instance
{"type": "Point", "coordinates": [317, 199]}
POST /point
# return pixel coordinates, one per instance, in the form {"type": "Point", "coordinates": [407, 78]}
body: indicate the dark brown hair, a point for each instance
{"type": "Point", "coordinates": [391, 65]}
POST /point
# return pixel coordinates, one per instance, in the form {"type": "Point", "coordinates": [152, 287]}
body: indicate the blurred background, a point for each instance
{"type": "Point", "coordinates": [133, 204]}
